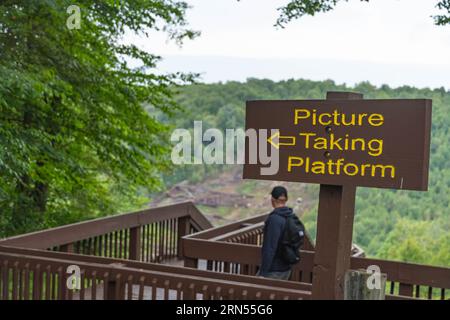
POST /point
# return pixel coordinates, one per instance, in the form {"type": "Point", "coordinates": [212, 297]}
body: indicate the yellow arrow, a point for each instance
{"type": "Point", "coordinates": [275, 140]}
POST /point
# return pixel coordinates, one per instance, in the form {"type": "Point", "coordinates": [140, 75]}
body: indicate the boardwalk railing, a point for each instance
{"type": "Point", "coordinates": [204, 249]}
{"type": "Point", "coordinates": [113, 256]}
{"type": "Point", "coordinates": [410, 280]}
{"type": "Point", "coordinates": [151, 235]}
{"type": "Point", "coordinates": [245, 231]}
{"type": "Point", "coordinates": [235, 249]}
{"type": "Point", "coordinates": [32, 274]}
{"type": "Point", "coordinates": [235, 258]}
{"type": "Point", "coordinates": [118, 258]}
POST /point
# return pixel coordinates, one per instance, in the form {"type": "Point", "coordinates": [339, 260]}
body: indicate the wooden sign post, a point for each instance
{"type": "Point", "coordinates": [334, 233]}
{"type": "Point", "coordinates": [341, 143]}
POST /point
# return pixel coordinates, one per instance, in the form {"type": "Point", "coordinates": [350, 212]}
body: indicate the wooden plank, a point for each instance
{"type": "Point", "coordinates": [334, 232]}
{"type": "Point", "coordinates": [135, 243]}
{"type": "Point", "coordinates": [407, 273]}
{"type": "Point", "coordinates": [237, 232]}
{"type": "Point", "coordinates": [37, 282]}
{"type": "Point", "coordinates": [83, 230]}
{"type": "Point", "coordinates": [15, 281]}
{"type": "Point", "coordinates": [26, 293]}
{"type": "Point", "coordinates": [183, 230]}
{"type": "Point", "coordinates": [405, 290]}
{"type": "Point", "coordinates": [333, 241]}
{"type": "Point", "coordinates": [120, 244]}
{"type": "Point", "coordinates": [144, 244]}
{"type": "Point", "coordinates": [217, 231]}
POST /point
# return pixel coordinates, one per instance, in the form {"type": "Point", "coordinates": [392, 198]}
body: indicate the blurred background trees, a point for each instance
{"type": "Point", "coordinates": [75, 139]}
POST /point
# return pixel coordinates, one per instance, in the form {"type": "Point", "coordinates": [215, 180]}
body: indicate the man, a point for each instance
{"type": "Point", "coordinates": [272, 265]}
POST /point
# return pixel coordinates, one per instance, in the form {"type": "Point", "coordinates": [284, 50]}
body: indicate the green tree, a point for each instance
{"type": "Point", "coordinates": [417, 241]}
{"type": "Point", "coordinates": [75, 138]}
{"type": "Point", "coordinates": [385, 219]}
{"type": "Point", "coordinates": [299, 8]}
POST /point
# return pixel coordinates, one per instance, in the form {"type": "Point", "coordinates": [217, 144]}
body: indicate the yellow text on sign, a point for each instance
{"type": "Point", "coordinates": [337, 118]}
{"type": "Point", "coordinates": [339, 167]}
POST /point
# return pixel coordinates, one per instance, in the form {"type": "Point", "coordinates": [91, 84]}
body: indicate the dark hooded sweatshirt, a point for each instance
{"type": "Point", "coordinates": [273, 231]}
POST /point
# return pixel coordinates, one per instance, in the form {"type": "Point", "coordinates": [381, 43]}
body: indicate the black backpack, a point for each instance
{"type": "Point", "coordinates": [292, 239]}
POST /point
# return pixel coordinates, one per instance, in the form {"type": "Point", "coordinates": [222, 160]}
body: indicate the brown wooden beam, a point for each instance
{"type": "Point", "coordinates": [334, 232]}
{"type": "Point", "coordinates": [87, 229]}
{"type": "Point", "coordinates": [184, 226]}
{"type": "Point", "coordinates": [135, 243]}
{"type": "Point", "coordinates": [333, 241]}
{"type": "Point", "coordinates": [67, 248]}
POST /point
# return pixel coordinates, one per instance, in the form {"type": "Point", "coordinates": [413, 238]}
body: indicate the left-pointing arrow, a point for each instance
{"type": "Point", "coordinates": [276, 140]}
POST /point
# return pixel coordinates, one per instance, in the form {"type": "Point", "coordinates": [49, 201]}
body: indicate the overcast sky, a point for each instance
{"type": "Point", "coordinates": [392, 42]}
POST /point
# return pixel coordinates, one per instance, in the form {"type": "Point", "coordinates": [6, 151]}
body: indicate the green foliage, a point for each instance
{"type": "Point", "coordinates": [75, 138]}
{"type": "Point", "coordinates": [298, 8]}
{"type": "Point", "coordinates": [419, 241]}
{"type": "Point", "coordinates": [382, 215]}
{"type": "Point", "coordinates": [441, 20]}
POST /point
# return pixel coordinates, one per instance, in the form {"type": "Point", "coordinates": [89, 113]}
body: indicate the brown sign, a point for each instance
{"type": "Point", "coordinates": [370, 143]}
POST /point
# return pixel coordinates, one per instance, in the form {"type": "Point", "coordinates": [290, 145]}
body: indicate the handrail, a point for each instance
{"type": "Point", "coordinates": [242, 228]}
{"type": "Point", "coordinates": [230, 252]}
{"type": "Point", "coordinates": [217, 231]}
{"type": "Point", "coordinates": [221, 251]}
{"type": "Point", "coordinates": [121, 282]}
{"type": "Point", "coordinates": [238, 232]}
{"type": "Point", "coordinates": [73, 232]}
{"type": "Point", "coordinates": [155, 267]}
{"type": "Point", "coordinates": [222, 256]}
{"type": "Point", "coordinates": [407, 280]}
{"type": "Point", "coordinates": [407, 273]}
{"type": "Point", "coordinates": [198, 218]}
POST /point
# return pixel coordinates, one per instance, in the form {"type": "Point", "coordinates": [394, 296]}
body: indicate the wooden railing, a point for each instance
{"type": "Point", "coordinates": [252, 234]}
{"type": "Point", "coordinates": [113, 256]}
{"type": "Point", "coordinates": [245, 231]}
{"type": "Point", "coordinates": [26, 274]}
{"type": "Point", "coordinates": [116, 254]}
{"type": "Point", "coordinates": [151, 235]}
{"type": "Point", "coordinates": [235, 249]}
{"type": "Point", "coordinates": [406, 280]}
{"type": "Point", "coordinates": [234, 258]}
{"type": "Point", "coordinates": [410, 280]}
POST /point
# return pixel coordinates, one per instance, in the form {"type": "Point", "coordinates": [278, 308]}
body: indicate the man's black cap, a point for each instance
{"type": "Point", "coordinates": [278, 192]}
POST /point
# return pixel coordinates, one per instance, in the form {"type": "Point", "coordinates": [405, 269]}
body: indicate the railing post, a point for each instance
{"type": "Point", "coordinates": [191, 263]}
{"type": "Point", "coordinates": [66, 248]}
{"type": "Point", "coordinates": [184, 225]}
{"type": "Point", "coordinates": [115, 290]}
{"type": "Point", "coordinates": [135, 243]}
{"type": "Point", "coordinates": [111, 291]}
{"type": "Point", "coordinates": [405, 289]}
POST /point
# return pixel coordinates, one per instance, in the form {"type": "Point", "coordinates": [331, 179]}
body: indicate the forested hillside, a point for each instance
{"type": "Point", "coordinates": [402, 225]}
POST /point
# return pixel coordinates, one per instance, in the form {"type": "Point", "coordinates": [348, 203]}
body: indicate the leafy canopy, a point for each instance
{"type": "Point", "coordinates": [74, 135]}
{"type": "Point", "coordinates": [299, 8]}
{"type": "Point", "coordinates": [394, 224]}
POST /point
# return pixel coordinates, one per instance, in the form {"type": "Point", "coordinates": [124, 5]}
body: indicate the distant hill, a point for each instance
{"type": "Point", "coordinates": [403, 225]}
